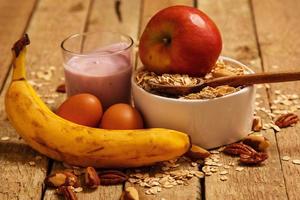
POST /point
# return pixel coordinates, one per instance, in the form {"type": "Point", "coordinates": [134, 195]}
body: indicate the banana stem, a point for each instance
{"type": "Point", "coordinates": [19, 52]}
{"type": "Point", "coordinates": [19, 71]}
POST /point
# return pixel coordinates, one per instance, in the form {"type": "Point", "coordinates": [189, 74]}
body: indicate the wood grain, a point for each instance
{"type": "Point", "coordinates": [278, 33]}
{"type": "Point", "coordinates": [102, 17]}
{"type": "Point", "coordinates": [16, 172]}
{"type": "Point", "coordinates": [193, 190]}
{"type": "Point", "coordinates": [23, 181]}
{"type": "Point", "coordinates": [234, 20]}
{"type": "Point", "coordinates": [14, 16]}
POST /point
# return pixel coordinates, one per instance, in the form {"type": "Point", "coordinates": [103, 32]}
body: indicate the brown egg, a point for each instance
{"type": "Point", "coordinates": [121, 116]}
{"type": "Point", "coordinates": [84, 109]}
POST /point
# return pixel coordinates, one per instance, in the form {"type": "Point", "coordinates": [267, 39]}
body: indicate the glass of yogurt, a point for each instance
{"type": "Point", "coordinates": [99, 63]}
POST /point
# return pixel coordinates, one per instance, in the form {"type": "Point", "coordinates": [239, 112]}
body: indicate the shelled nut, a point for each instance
{"type": "Point", "coordinates": [92, 179]}
{"type": "Point", "coordinates": [63, 178]}
{"type": "Point", "coordinates": [257, 142]}
{"type": "Point", "coordinates": [257, 124]}
{"type": "Point", "coordinates": [197, 152]}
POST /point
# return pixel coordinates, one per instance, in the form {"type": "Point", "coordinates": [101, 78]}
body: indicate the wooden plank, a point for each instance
{"type": "Point", "coordinates": [43, 53]}
{"type": "Point", "coordinates": [193, 190]}
{"type": "Point", "coordinates": [102, 16]}
{"type": "Point", "coordinates": [234, 20]}
{"type": "Point", "coordinates": [278, 33]}
{"type": "Point", "coordinates": [16, 172]}
{"type": "Point", "coordinates": [14, 16]}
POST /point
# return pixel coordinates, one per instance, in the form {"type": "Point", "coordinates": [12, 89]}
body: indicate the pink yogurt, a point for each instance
{"type": "Point", "coordinates": [101, 73]}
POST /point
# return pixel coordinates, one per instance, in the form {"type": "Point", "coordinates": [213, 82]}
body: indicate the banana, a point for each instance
{"type": "Point", "coordinates": [79, 145]}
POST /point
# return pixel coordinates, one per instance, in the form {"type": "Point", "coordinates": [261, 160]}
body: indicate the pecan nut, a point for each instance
{"type": "Point", "coordinates": [63, 178]}
{"type": "Point", "coordinates": [257, 142]}
{"type": "Point", "coordinates": [255, 158]}
{"type": "Point", "coordinates": [197, 153]}
{"type": "Point", "coordinates": [67, 192]}
{"type": "Point", "coordinates": [61, 88]}
{"type": "Point", "coordinates": [287, 120]}
{"type": "Point", "coordinates": [247, 154]}
{"type": "Point", "coordinates": [257, 124]}
{"type": "Point", "coordinates": [130, 193]}
{"type": "Point", "coordinates": [91, 177]}
{"type": "Point", "coordinates": [238, 149]}
{"type": "Point", "coordinates": [112, 177]}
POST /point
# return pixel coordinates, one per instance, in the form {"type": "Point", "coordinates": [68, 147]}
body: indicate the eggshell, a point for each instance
{"type": "Point", "coordinates": [84, 109]}
{"type": "Point", "coordinates": [121, 116]}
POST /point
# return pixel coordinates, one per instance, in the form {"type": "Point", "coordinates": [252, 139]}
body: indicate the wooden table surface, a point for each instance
{"type": "Point", "coordinates": [263, 34]}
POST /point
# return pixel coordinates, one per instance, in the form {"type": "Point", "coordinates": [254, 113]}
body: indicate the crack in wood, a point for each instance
{"type": "Point", "coordinates": [118, 10]}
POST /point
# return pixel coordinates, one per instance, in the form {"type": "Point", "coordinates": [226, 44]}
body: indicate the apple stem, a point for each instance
{"type": "Point", "coordinates": [166, 40]}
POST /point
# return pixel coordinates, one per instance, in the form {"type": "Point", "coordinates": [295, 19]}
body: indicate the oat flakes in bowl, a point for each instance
{"type": "Point", "coordinates": [211, 122]}
{"type": "Point", "coordinates": [145, 79]}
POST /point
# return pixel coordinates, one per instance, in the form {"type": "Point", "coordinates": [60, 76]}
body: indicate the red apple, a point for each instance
{"type": "Point", "coordinates": [180, 39]}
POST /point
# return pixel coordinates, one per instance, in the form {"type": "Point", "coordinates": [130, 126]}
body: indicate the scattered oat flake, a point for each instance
{"type": "Point", "coordinates": [278, 92]}
{"type": "Point", "coordinates": [194, 164]}
{"type": "Point", "coordinates": [285, 158]}
{"type": "Point", "coordinates": [32, 73]}
{"type": "Point", "coordinates": [214, 151]}
{"type": "Point", "coordinates": [259, 86]}
{"type": "Point", "coordinates": [78, 189]}
{"type": "Point", "coordinates": [296, 162]}
{"type": "Point", "coordinates": [221, 148]}
{"type": "Point", "coordinates": [239, 169]}
{"type": "Point", "coordinates": [133, 180]}
{"type": "Point", "coordinates": [31, 163]}
{"type": "Point", "coordinates": [148, 192]}
{"type": "Point", "coordinates": [168, 185]}
{"type": "Point", "coordinates": [37, 158]}
{"type": "Point", "coordinates": [165, 168]}
{"type": "Point", "coordinates": [52, 68]}
{"type": "Point", "coordinates": [199, 174]}
{"type": "Point", "coordinates": [50, 101]}
{"type": "Point", "coordinates": [275, 127]}
{"type": "Point", "coordinates": [223, 178]}
{"type": "Point", "coordinates": [224, 172]}
{"type": "Point", "coordinates": [214, 169]}
{"type": "Point", "coordinates": [208, 173]}
{"type": "Point", "coordinates": [5, 138]}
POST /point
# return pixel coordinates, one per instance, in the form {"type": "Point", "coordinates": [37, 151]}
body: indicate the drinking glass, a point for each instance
{"type": "Point", "coordinates": [99, 63]}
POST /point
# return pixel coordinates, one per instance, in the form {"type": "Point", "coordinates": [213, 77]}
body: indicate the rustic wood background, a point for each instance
{"type": "Point", "coordinates": [264, 34]}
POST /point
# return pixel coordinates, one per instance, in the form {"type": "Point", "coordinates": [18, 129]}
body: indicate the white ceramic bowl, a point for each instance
{"type": "Point", "coordinates": [210, 123]}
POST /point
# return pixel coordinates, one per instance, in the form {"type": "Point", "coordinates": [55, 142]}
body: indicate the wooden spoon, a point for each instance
{"type": "Point", "coordinates": [234, 81]}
